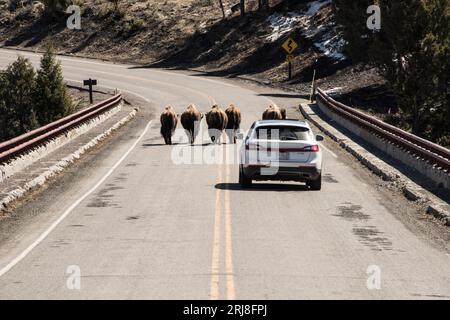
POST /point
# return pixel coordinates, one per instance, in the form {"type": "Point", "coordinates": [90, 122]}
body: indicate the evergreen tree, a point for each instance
{"type": "Point", "coordinates": [52, 7]}
{"type": "Point", "coordinates": [50, 94]}
{"type": "Point", "coordinates": [398, 52]}
{"type": "Point", "coordinates": [16, 103]}
{"type": "Point", "coordinates": [352, 17]}
{"type": "Point", "coordinates": [5, 113]}
{"type": "Point", "coordinates": [437, 47]}
{"type": "Point", "coordinates": [411, 51]}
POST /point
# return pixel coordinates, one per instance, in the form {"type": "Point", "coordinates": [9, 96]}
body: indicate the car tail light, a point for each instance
{"type": "Point", "coordinates": [313, 148]}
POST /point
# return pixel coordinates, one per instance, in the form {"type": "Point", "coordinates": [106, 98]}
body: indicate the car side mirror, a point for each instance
{"type": "Point", "coordinates": [319, 138]}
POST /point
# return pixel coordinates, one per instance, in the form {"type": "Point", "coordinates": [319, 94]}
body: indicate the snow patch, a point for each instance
{"type": "Point", "coordinates": [325, 37]}
{"type": "Point", "coordinates": [336, 90]}
{"type": "Point", "coordinates": [315, 7]}
{"type": "Point", "coordinates": [282, 25]}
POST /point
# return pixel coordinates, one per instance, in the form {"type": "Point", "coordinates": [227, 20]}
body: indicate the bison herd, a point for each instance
{"type": "Point", "coordinates": [217, 120]}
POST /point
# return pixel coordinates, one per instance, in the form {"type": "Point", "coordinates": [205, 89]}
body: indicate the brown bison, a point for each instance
{"type": "Point", "coordinates": [190, 120]}
{"type": "Point", "coordinates": [217, 121]}
{"type": "Point", "coordinates": [272, 113]}
{"type": "Point", "coordinates": [234, 121]}
{"type": "Point", "coordinates": [283, 113]}
{"type": "Point", "coordinates": [169, 123]}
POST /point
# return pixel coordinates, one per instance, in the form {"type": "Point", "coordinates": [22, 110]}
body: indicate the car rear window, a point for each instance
{"type": "Point", "coordinates": [284, 133]}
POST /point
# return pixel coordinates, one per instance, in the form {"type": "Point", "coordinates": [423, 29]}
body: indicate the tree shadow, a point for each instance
{"type": "Point", "coordinates": [37, 31]}
{"type": "Point", "coordinates": [85, 43]}
{"type": "Point", "coordinates": [245, 39]}
{"type": "Point", "coordinates": [245, 36]}
{"type": "Point", "coordinates": [377, 98]}
{"type": "Point", "coordinates": [323, 67]}
{"type": "Point", "coordinates": [202, 48]}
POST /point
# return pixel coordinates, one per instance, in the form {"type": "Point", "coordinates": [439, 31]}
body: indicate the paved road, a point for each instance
{"type": "Point", "coordinates": [137, 223]}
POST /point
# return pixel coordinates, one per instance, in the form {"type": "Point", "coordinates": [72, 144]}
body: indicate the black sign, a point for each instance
{"type": "Point", "coordinates": [90, 83]}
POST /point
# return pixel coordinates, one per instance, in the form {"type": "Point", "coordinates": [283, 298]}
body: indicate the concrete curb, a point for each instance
{"type": "Point", "coordinates": [63, 164]}
{"type": "Point", "coordinates": [432, 205]}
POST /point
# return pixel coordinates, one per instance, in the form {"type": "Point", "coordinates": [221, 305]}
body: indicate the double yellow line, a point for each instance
{"type": "Point", "coordinates": [215, 267]}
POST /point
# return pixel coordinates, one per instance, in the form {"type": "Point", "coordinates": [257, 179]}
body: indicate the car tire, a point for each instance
{"type": "Point", "coordinates": [315, 185]}
{"type": "Point", "coordinates": [244, 181]}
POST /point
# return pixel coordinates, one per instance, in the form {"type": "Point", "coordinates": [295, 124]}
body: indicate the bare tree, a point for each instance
{"type": "Point", "coordinates": [222, 8]}
{"type": "Point", "coordinates": [242, 6]}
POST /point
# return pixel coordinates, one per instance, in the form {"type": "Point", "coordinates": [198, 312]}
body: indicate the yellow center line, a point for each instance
{"type": "Point", "coordinates": [215, 267]}
{"type": "Point", "coordinates": [231, 293]}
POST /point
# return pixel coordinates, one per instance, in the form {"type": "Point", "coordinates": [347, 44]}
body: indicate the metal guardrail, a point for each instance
{"type": "Point", "coordinates": [30, 140]}
{"type": "Point", "coordinates": [426, 150]}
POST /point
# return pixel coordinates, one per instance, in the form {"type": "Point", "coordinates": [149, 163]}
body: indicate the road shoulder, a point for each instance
{"type": "Point", "coordinates": [409, 202]}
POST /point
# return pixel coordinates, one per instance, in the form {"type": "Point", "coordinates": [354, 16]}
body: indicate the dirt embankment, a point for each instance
{"type": "Point", "coordinates": [192, 34]}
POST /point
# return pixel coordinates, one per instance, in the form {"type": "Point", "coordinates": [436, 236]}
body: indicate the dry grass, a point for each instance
{"type": "Point", "coordinates": [138, 30]}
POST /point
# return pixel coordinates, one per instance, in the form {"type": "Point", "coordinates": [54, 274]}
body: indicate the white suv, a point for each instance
{"type": "Point", "coordinates": [281, 150]}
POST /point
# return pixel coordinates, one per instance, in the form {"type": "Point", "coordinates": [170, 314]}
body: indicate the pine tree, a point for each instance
{"type": "Point", "coordinates": [52, 7]}
{"type": "Point", "coordinates": [437, 47]}
{"type": "Point", "coordinates": [16, 103]}
{"type": "Point", "coordinates": [351, 17]}
{"type": "Point", "coordinates": [50, 93]}
{"type": "Point", "coordinates": [411, 51]}
{"type": "Point", "coordinates": [397, 51]}
{"type": "Point", "coordinates": [5, 113]}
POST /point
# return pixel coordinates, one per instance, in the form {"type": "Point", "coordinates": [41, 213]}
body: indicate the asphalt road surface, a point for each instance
{"type": "Point", "coordinates": [138, 219]}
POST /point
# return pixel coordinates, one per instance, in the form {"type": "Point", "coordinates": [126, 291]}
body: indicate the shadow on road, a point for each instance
{"type": "Point", "coordinates": [271, 187]}
{"type": "Point", "coordinates": [146, 145]}
{"type": "Point", "coordinates": [206, 144]}
{"type": "Point", "coordinates": [285, 95]}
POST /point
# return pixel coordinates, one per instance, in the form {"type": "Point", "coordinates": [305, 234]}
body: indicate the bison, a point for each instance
{"type": "Point", "coordinates": [283, 113]}
{"type": "Point", "coordinates": [217, 121]}
{"type": "Point", "coordinates": [234, 121]}
{"type": "Point", "coordinates": [169, 123]}
{"type": "Point", "coordinates": [190, 120]}
{"type": "Point", "coordinates": [272, 113]}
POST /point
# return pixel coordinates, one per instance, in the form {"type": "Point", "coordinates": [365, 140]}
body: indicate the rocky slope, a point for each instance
{"type": "Point", "coordinates": [192, 34]}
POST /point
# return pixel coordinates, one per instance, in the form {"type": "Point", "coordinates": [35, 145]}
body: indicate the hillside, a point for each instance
{"type": "Point", "coordinates": [192, 34]}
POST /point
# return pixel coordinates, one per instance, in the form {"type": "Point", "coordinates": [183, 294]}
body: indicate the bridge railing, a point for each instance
{"type": "Point", "coordinates": [434, 154]}
{"type": "Point", "coordinates": [17, 146]}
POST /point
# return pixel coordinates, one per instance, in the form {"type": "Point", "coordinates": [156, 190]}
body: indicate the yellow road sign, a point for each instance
{"type": "Point", "coordinates": [290, 45]}
{"type": "Point", "coordinates": [289, 58]}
